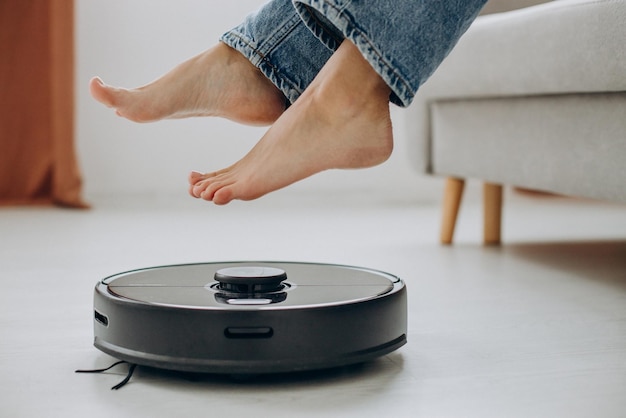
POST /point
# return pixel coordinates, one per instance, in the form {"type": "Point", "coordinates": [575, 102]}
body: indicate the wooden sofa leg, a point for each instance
{"type": "Point", "coordinates": [451, 201]}
{"type": "Point", "coordinates": [492, 213]}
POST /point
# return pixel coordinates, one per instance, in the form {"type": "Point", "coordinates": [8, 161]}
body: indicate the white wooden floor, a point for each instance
{"type": "Point", "coordinates": [535, 328]}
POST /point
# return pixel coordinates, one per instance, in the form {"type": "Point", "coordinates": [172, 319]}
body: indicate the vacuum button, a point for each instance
{"type": "Point", "coordinates": [260, 301]}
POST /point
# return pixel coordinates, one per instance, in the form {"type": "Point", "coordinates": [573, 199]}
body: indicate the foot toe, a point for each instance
{"type": "Point", "coordinates": [218, 189]}
{"type": "Point", "coordinates": [101, 92]}
{"type": "Point", "coordinates": [223, 196]}
{"type": "Point", "coordinates": [198, 189]}
{"type": "Point", "coordinates": [196, 176]}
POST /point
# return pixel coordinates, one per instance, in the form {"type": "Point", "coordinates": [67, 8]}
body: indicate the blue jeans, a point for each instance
{"type": "Point", "coordinates": [403, 40]}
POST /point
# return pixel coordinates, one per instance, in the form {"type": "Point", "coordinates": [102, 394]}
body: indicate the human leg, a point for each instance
{"type": "Point", "coordinates": [342, 119]}
{"type": "Point", "coordinates": [268, 59]}
{"type": "Point", "coordinates": [276, 41]}
{"type": "Point", "coordinates": [403, 40]}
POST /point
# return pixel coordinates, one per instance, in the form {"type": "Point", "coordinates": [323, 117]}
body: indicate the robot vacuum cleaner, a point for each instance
{"type": "Point", "coordinates": [249, 317]}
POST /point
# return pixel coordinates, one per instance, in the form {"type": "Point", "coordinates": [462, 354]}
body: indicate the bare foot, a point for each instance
{"type": "Point", "coordinates": [218, 82]}
{"type": "Point", "coordinates": [341, 121]}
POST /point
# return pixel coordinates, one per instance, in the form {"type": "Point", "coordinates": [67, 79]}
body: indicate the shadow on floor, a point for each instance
{"type": "Point", "coordinates": [601, 261]}
{"type": "Point", "coordinates": [379, 371]}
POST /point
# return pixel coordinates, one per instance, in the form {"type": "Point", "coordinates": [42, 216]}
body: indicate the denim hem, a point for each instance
{"type": "Point", "coordinates": [330, 22]}
{"type": "Point", "coordinates": [259, 58]}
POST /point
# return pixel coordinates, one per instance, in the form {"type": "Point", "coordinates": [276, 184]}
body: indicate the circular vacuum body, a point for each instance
{"type": "Point", "coordinates": [250, 317]}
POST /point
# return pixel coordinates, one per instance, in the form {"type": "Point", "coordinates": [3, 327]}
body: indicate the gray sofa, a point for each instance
{"type": "Point", "coordinates": [535, 98]}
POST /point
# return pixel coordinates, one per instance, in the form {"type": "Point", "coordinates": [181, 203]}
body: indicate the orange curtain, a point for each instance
{"type": "Point", "coordinates": [38, 162]}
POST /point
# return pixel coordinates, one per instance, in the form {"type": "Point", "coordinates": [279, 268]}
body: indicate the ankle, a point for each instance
{"type": "Point", "coordinates": [360, 116]}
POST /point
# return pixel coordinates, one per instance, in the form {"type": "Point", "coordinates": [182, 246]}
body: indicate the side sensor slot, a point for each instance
{"type": "Point", "coordinates": [248, 332]}
{"type": "Point", "coordinates": [101, 319]}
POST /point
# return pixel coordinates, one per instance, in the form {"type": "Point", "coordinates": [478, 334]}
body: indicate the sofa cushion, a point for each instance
{"type": "Point", "coordinates": [499, 6]}
{"type": "Point", "coordinates": [561, 47]}
{"type": "Point", "coordinates": [567, 46]}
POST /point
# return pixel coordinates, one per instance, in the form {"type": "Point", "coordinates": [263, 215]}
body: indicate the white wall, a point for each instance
{"type": "Point", "coordinates": [129, 43]}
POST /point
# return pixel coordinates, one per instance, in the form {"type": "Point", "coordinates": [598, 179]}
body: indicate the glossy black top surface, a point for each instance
{"type": "Point", "coordinates": [194, 286]}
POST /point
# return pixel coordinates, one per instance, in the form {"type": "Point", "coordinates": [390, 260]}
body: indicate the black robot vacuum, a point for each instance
{"type": "Point", "coordinates": [250, 317]}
